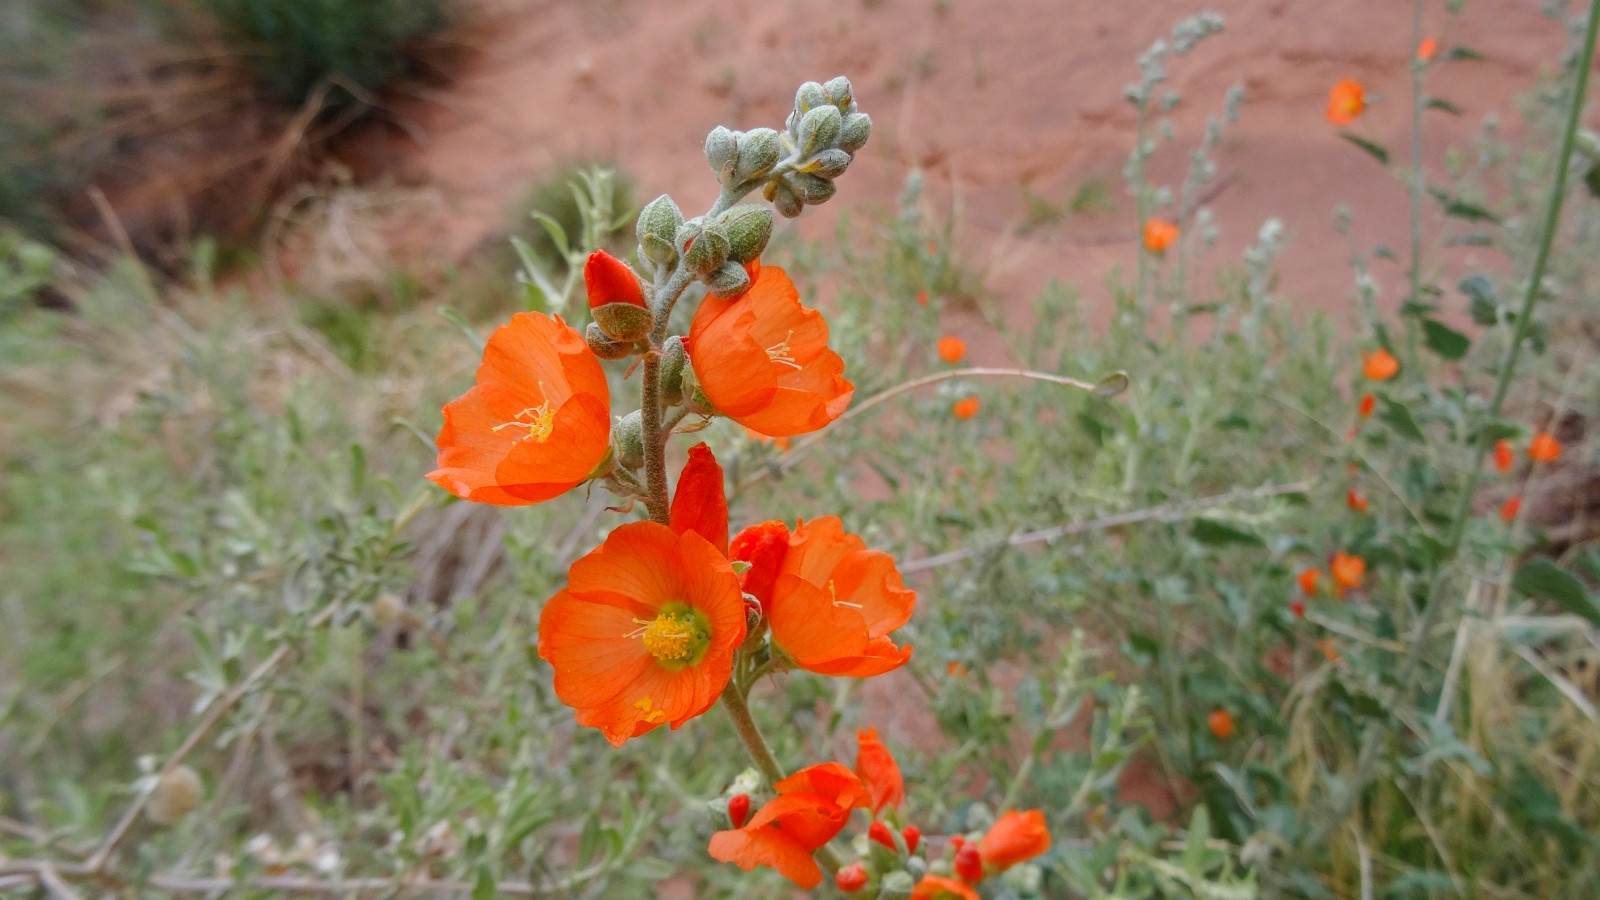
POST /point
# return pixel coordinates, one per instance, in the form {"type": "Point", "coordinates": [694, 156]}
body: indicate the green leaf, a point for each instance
{"type": "Point", "coordinates": [589, 839]}
{"type": "Point", "coordinates": [1398, 418]}
{"type": "Point", "coordinates": [1496, 431]}
{"type": "Point", "coordinates": [454, 317]}
{"type": "Point", "coordinates": [1378, 151]}
{"type": "Point", "coordinates": [1444, 340]}
{"type": "Point", "coordinates": [1194, 845]}
{"type": "Point", "coordinates": [1442, 105]}
{"type": "Point", "coordinates": [1483, 304]}
{"type": "Point", "coordinates": [1462, 209]}
{"type": "Point", "coordinates": [1543, 580]}
{"type": "Point", "coordinates": [558, 234]}
{"type": "Point", "coordinates": [1472, 239]}
{"type": "Point", "coordinates": [1459, 52]}
{"type": "Point", "coordinates": [1210, 531]}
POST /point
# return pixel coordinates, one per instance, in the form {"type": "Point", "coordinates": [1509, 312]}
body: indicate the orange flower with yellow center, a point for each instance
{"type": "Point", "coordinates": [811, 808]}
{"type": "Point", "coordinates": [762, 359]}
{"type": "Point", "coordinates": [1013, 838]}
{"type": "Point", "coordinates": [830, 601]}
{"type": "Point", "coordinates": [1348, 571]}
{"type": "Point", "coordinates": [535, 425]}
{"type": "Point", "coordinates": [1159, 235]}
{"type": "Point", "coordinates": [645, 631]}
{"type": "Point", "coordinates": [952, 349]}
{"type": "Point", "coordinates": [1346, 102]}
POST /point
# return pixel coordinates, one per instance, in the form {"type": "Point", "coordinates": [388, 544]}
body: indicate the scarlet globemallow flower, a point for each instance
{"type": "Point", "coordinates": [616, 297]}
{"type": "Point", "coordinates": [1348, 571]}
{"type": "Point", "coordinates": [1346, 101]}
{"type": "Point", "coordinates": [1355, 500]}
{"type": "Point", "coordinates": [1544, 448]}
{"type": "Point", "coordinates": [1503, 455]}
{"type": "Point", "coordinates": [1367, 403]}
{"type": "Point", "coordinates": [762, 359]}
{"type": "Point", "coordinates": [1014, 837]}
{"type": "Point", "coordinates": [852, 878]}
{"type": "Point", "coordinates": [1159, 235]}
{"type": "Point", "coordinates": [1509, 509]}
{"type": "Point", "coordinates": [812, 807]}
{"type": "Point", "coordinates": [1221, 723]}
{"type": "Point", "coordinates": [934, 887]}
{"type": "Point", "coordinates": [1308, 581]}
{"type": "Point", "coordinates": [537, 423]}
{"type": "Point", "coordinates": [1427, 49]}
{"type": "Point", "coordinates": [832, 602]}
{"type": "Point", "coordinates": [952, 349]}
{"type": "Point", "coordinates": [645, 631]}
{"type": "Point", "coordinates": [967, 862]}
{"type": "Point", "coordinates": [878, 771]}
{"type": "Point", "coordinates": [965, 408]}
{"type": "Point", "coordinates": [1379, 365]}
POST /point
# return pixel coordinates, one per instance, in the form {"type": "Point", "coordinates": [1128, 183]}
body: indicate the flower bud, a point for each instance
{"type": "Point", "coordinates": [897, 886]}
{"type": "Point", "coordinates": [911, 833]}
{"type": "Point", "coordinates": [968, 864]}
{"type": "Point", "coordinates": [695, 399]}
{"type": "Point", "coordinates": [880, 832]}
{"type": "Point", "coordinates": [854, 131]}
{"type": "Point", "coordinates": [810, 96]}
{"type": "Point", "coordinates": [748, 227]}
{"type": "Point", "coordinates": [609, 280]}
{"type": "Point", "coordinates": [851, 878]}
{"type": "Point", "coordinates": [739, 809]}
{"type": "Point", "coordinates": [673, 358]}
{"type": "Point", "coordinates": [810, 189]}
{"type": "Point", "coordinates": [605, 347]}
{"type": "Point", "coordinates": [783, 199]}
{"type": "Point", "coordinates": [722, 149]}
{"type": "Point", "coordinates": [819, 129]}
{"type": "Point", "coordinates": [704, 245]}
{"type": "Point", "coordinates": [628, 438]}
{"type": "Point", "coordinates": [658, 224]}
{"type": "Point", "coordinates": [729, 281]}
{"type": "Point", "coordinates": [759, 150]}
{"type": "Point", "coordinates": [839, 92]}
{"type": "Point", "coordinates": [827, 164]}
{"type": "Point", "coordinates": [176, 795]}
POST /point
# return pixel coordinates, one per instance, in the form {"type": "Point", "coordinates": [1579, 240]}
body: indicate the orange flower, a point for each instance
{"type": "Point", "coordinates": [1348, 571]}
{"type": "Point", "coordinates": [1308, 581]}
{"type": "Point", "coordinates": [1367, 403]}
{"type": "Point", "coordinates": [831, 602]}
{"type": "Point", "coordinates": [951, 349]}
{"type": "Point", "coordinates": [1346, 101]}
{"type": "Point", "coordinates": [1427, 49]}
{"type": "Point", "coordinates": [1509, 509]}
{"type": "Point", "coordinates": [645, 631]}
{"type": "Point", "coordinates": [700, 505]}
{"type": "Point", "coordinates": [1013, 838]}
{"type": "Point", "coordinates": [812, 807]}
{"type": "Point", "coordinates": [1503, 456]}
{"type": "Point", "coordinates": [965, 408]}
{"type": "Point", "coordinates": [922, 298]}
{"type": "Point", "coordinates": [933, 887]}
{"type": "Point", "coordinates": [536, 424]}
{"type": "Point", "coordinates": [1544, 448]}
{"type": "Point", "coordinates": [1221, 723]}
{"type": "Point", "coordinates": [1355, 500]}
{"type": "Point", "coordinates": [1159, 235]}
{"type": "Point", "coordinates": [762, 359]}
{"type": "Point", "coordinates": [1379, 365]}
{"type": "Point", "coordinates": [878, 771]}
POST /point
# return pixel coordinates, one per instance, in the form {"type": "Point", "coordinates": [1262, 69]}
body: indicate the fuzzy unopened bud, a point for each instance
{"type": "Point", "coordinates": [839, 92]}
{"type": "Point", "coordinates": [695, 399]}
{"type": "Point", "coordinates": [658, 224]}
{"type": "Point", "coordinates": [748, 227]}
{"type": "Point", "coordinates": [704, 246]}
{"type": "Point", "coordinates": [628, 439]}
{"type": "Point", "coordinates": [759, 150]}
{"type": "Point", "coordinates": [739, 810]}
{"type": "Point", "coordinates": [729, 281]}
{"type": "Point", "coordinates": [176, 795]}
{"type": "Point", "coordinates": [811, 189]}
{"type": "Point", "coordinates": [722, 148]}
{"type": "Point", "coordinates": [854, 131]}
{"type": "Point", "coordinates": [674, 360]}
{"type": "Point", "coordinates": [897, 886]}
{"type": "Point", "coordinates": [819, 130]}
{"type": "Point", "coordinates": [810, 96]}
{"type": "Point", "coordinates": [604, 347]}
{"type": "Point", "coordinates": [387, 610]}
{"type": "Point", "coordinates": [784, 199]}
{"type": "Point", "coordinates": [827, 164]}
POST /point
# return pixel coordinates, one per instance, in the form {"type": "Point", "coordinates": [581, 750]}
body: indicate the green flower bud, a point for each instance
{"type": "Point", "coordinates": [759, 150]}
{"type": "Point", "coordinates": [658, 224]}
{"type": "Point", "coordinates": [854, 131]}
{"type": "Point", "coordinates": [605, 347]}
{"type": "Point", "coordinates": [819, 129]}
{"type": "Point", "coordinates": [705, 245]}
{"type": "Point", "coordinates": [839, 92]}
{"type": "Point", "coordinates": [784, 199]}
{"type": "Point", "coordinates": [627, 437]}
{"type": "Point", "coordinates": [827, 164]}
{"type": "Point", "coordinates": [729, 281]}
{"type": "Point", "coordinates": [810, 96]}
{"type": "Point", "coordinates": [622, 322]}
{"type": "Point", "coordinates": [749, 227]}
{"type": "Point", "coordinates": [722, 148]}
{"type": "Point", "coordinates": [673, 360]}
{"type": "Point", "coordinates": [811, 189]}
{"type": "Point", "coordinates": [897, 886]}
{"type": "Point", "coordinates": [695, 399]}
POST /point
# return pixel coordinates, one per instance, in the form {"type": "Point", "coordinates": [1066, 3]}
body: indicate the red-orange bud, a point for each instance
{"type": "Point", "coordinates": [739, 809]}
{"type": "Point", "coordinates": [1356, 500]}
{"type": "Point", "coordinates": [1503, 455]}
{"type": "Point", "coordinates": [1544, 448]}
{"type": "Point", "coordinates": [609, 280]}
{"type": "Point", "coordinates": [968, 863]}
{"type": "Point", "coordinates": [1298, 608]}
{"type": "Point", "coordinates": [913, 836]}
{"type": "Point", "coordinates": [1221, 723]}
{"type": "Point", "coordinates": [1509, 509]}
{"type": "Point", "coordinates": [851, 878]}
{"type": "Point", "coordinates": [1367, 403]}
{"type": "Point", "coordinates": [879, 832]}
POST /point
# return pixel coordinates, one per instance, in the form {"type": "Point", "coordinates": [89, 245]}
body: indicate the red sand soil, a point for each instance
{"type": "Point", "coordinates": [986, 96]}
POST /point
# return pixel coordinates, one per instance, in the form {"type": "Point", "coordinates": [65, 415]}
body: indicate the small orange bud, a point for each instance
{"type": "Point", "coordinates": [1427, 49]}
{"type": "Point", "coordinates": [1221, 723]}
{"type": "Point", "coordinates": [1159, 235]}
{"type": "Point", "coordinates": [1509, 509]}
{"type": "Point", "coordinates": [913, 836]}
{"type": "Point", "coordinates": [739, 809]}
{"type": "Point", "coordinates": [954, 668]}
{"type": "Point", "coordinates": [851, 878]}
{"type": "Point", "coordinates": [1348, 571]}
{"type": "Point", "coordinates": [1379, 365]}
{"type": "Point", "coordinates": [965, 408]}
{"type": "Point", "coordinates": [609, 280]}
{"type": "Point", "coordinates": [1367, 403]}
{"type": "Point", "coordinates": [1298, 608]}
{"type": "Point", "coordinates": [1308, 581]}
{"type": "Point", "coordinates": [922, 298]}
{"type": "Point", "coordinates": [968, 863]}
{"type": "Point", "coordinates": [1544, 448]}
{"type": "Point", "coordinates": [1355, 500]}
{"type": "Point", "coordinates": [1503, 457]}
{"type": "Point", "coordinates": [1346, 101]}
{"type": "Point", "coordinates": [952, 349]}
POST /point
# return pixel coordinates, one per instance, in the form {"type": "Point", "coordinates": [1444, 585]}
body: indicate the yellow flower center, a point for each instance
{"type": "Point", "coordinates": [781, 354]}
{"type": "Point", "coordinates": [539, 420]}
{"type": "Point", "coordinates": [671, 636]}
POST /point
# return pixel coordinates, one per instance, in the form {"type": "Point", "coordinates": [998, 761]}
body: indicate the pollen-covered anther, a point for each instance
{"type": "Point", "coordinates": [780, 353]}
{"type": "Point", "coordinates": [539, 420]}
{"type": "Point", "coordinates": [833, 593]}
{"type": "Point", "coordinates": [669, 636]}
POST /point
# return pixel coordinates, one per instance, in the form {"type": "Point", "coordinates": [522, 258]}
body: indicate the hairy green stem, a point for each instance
{"type": "Point", "coordinates": [739, 711]}
{"type": "Point", "coordinates": [1416, 179]}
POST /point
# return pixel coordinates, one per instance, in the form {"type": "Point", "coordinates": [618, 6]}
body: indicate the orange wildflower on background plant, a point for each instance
{"type": "Point", "coordinates": [1221, 723]}
{"type": "Point", "coordinates": [812, 807]}
{"type": "Point", "coordinates": [762, 359]}
{"type": "Point", "coordinates": [878, 771]}
{"type": "Point", "coordinates": [1013, 838]}
{"type": "Point", "coordinates": [952, 349]}
{"type": "Point", "coordinates": [1544, 448]}
{"type": "Point", "coordinates": [1159, 235]}
{"type": "Point", "coordinates": [1367, 403]}
{"type": "Point", "coordinates": [1503, 456]}
{"type": "Point", "coordinates": [536, 424]}
{"type": "Point", "coordinates": [645, 631]}
{"type": "Point", "coordinates": [1346, 101]}
{"type": "Point", "coordinates": [922, 298]}
{"type": "Point", "coordinates": [965, 408]}
{"type": "Point", "coordinates": [935, 887]}
{"type": "Point", "coordinates": [1308, 581]}
{"type": "Point", "coordinates": [829, 600]}
{"type": "Point", "coordinates": [1427, 49]}
{"type": "Point", "coordinates": [1509, 509]}
{"type": "Point", "coordinates": [1379, 365]}
{"type": "Point", "coordinates": [852, 878]}
{"type": "Point", "coordinates": [699, 504]}
{"type": "Point", "coordinates": [1348, 571]}
{"type": "Point", "coordinates": [1356, 500]}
